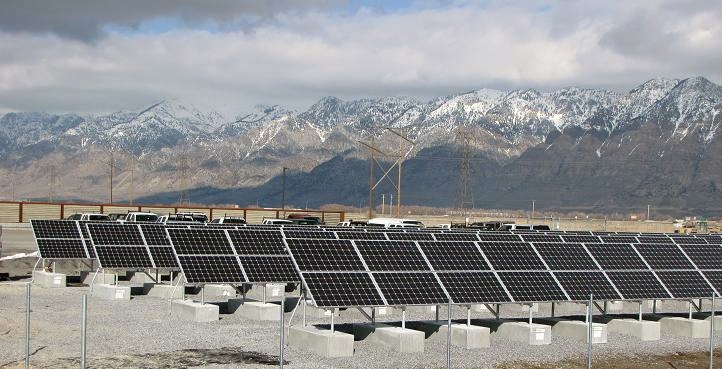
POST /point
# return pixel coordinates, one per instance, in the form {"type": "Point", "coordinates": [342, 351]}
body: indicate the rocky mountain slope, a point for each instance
{"type": "Point", "coordinates": [588, 148]}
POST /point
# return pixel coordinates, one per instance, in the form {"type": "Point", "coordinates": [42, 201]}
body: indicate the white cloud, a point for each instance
{"type": "Point", "coordinates": [425, 51]}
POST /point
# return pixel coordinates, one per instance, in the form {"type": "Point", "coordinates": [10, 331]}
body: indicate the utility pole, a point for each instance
{"type": "Point", "coordinates": [464, 195]}
{"type": "Point", "coordinates": [647, 211]}
{"type": "Point", "coordinates": [112, 165]}
{"type": "Point", "coordinates": [371, 174]}
{"type": "Point", "coordinates": [532, 208]}
{"type": "Point", "coordinates": [53, 179]}
{"type": "Point", "coordinates": [283, 192]}
{"type": "Point", "coordinates": [391, 203]}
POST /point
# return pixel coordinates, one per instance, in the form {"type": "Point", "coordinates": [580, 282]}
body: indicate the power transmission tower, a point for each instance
{"type": "Point", "coordinates": [464, 194]}
{"type": "Point", "coordinates": [184, 172]}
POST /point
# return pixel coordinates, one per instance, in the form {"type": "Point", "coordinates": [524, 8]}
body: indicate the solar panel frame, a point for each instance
{"type": "Point", "coordinates": [454, 256]}
{"type": "Point", "coordinates": [410, 288]}
{"type": "Point", "coordinates": [342, 289]}
{"type": "Point", "coordinates": [685, 283]}
{"type": "Point", "coordinates": [565, 256]}
{"type": "Point", "coordinates": [635, 285]}
{"type": "Point", "coordinates": [664, 256]}
{"type": "Point", "coordinates": [521, 286]}
{"type": "Point", "coordinates": [60, 239]}
{"type": "Point", "coordinates": [497, 253]}
{"type": "Point", "coordinates": [474, 287]}
{"type": "Point", "coordinates": [580, 284]}
{"type": "Point", "coordinates": [391, 255]}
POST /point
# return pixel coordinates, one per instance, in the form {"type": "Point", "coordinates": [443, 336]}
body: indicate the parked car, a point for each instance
{"type": "Point", "coordinates": [197, 217]}
{"type": "Point", "coordinates": [273, 221]}
{"type": "Point", "coordinates": [89, 216]}
{"type": "Point", "coordinates": [395, 223]}
{"type": "Point", "coordinates": [139, 216]}
{"type": "Point", "coordinates": [304, 219]}
{"type": "Point", "coordinates": [229, 220]}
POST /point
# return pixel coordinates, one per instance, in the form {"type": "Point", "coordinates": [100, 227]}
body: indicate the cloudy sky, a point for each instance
{"type": "Point", "coordinates": [95, 56]}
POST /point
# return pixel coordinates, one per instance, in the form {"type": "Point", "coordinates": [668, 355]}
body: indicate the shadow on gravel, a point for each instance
{"type": "Point", "coordinates": [173, 359]}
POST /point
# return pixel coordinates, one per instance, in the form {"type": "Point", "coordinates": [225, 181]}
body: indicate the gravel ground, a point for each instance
{"type": "Point", "coordinates": [141, 333]}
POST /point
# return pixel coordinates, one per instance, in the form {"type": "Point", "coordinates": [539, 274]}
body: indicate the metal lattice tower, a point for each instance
{"type": "Point", "coordinates": [464, 195]}
{"type": "Point", "coordinates": [184, 171]}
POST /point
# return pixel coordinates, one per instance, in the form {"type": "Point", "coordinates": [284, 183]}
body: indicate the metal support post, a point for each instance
{"type": "Point", "coordinates": [468, 316]}
{"type": "Point", "coordinates": [640, 311]}
{"type": "Point", "coordinates": [711, 334]}
{"type": "Point", "coordinates": [373, 315]}
{"type": "Point", "coordinates": [403, 317]}
{"type": "Point", "coordinates": [283, 328]}
{"type": "Point", "coordinates": [84, 332]}
{"type": "Point", "coordinates": [605, 308]}
{"type": "Point", "coordinates": [654, 306]}
{"type": "Point", "coordinates": [264, 293]}
{"type": "Point", "coordinates": [27, 326]}
{"type": "Point", "coordinates": [590, 325]}
{"type": "Point", "coordinates": [333, 327]}
{"type": "Point", "coordinates": [437, 312]}
{"type": "Point", "coordinates": [690, 310]}
{"type": "Point", "coordinates": [203, 295]}
{"type": "Point", "coordinates": [448, 337]}
{"type": "Point", "coordinates": [553, 309]}
{"type": "Point", "coordinates": [305, 302]}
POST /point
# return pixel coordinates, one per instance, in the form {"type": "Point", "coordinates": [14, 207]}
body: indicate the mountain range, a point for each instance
{"type": "Point", "coordinates": [572, 149]}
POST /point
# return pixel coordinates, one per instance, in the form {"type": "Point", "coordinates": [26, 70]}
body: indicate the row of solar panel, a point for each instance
{"type": "Point", "coordinates": [399, 272]}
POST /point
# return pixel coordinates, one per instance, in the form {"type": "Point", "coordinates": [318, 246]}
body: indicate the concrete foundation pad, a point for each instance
{"type": "Point", "coordinates": [111, 292]}
{"type": "Point", "coordinates": [536, 334]}
{"type": "Point", "coordinates": [321, 341]}
{"type": "Point", "coordinates": [87, 278]}
{"type": "Point", "coordinates": [318, 313]}
{"type": "Point", "coordinates": [577, 329]}
{"type": "Point", "coordinates": [645, 330]}
{"type": "Point", "coordinates": [164, 291]}
{"type": "Point", "coordinates": [216, 291]}
{"type": "Point", "coordinates": [693, 328]}
{"type": "Point", "coordinates": [49, 280]}
{"type": "Point", "coordinates": [255, 310]}
{"type": "Point", "coordinates": [396, 338]}
{"type": "Point", "coordinates": [194, 311]}
{"type": "Point", "coordinates": [469, 337]}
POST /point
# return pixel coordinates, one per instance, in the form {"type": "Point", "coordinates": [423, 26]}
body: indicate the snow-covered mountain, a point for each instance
{"type": "Point", "coordinates": [178, 145]}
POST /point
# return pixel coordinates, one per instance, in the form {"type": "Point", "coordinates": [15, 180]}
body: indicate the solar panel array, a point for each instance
{"type": "Point", "coordinates": [418, 268]}
{"type": "Point", "coordinates": [235, 256]}
{"type": "Point", "coordinates": [342, 267]}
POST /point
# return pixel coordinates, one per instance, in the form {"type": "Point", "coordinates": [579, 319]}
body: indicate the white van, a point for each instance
{"type": "Point", "coordinates": [273, 221]}
{"type": "Point", "coordinates": [138, 216]}
{"type": "Point", "coordinates": [395, 223]}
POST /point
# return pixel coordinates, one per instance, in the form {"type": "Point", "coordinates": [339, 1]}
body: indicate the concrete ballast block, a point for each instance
{"type": "Point", "coordinates": [216, 291]}
{"type": "Point", "coordinates": [48, 280]}
{"type": "Point", "coordinates": [717, 322]}
{"type": "Point", "coordinates": [111, 292]}
{"type": "Point", "coordinates": [469, 337]}
{"type": "Point", "coordinates": [645, 330]}
{"type": "Point", "coordinates": [164, 291]}
{"type": "Point", "coordinates": [321, 341]}
{"type": "Point", "coordinates": [194, 311]}
{"type": "Point", "coordinates": [579, 330]}
{"type": "Point", "coordinates": [255, 310]}
{"type": "Point", "coordinates": [397, 338]}
{"type": "Point", "coordinates": [100, 278]}
{"type": "Point", "coordinates": [693, 328]}
{"type": "Point", "coordinates": [536, 334]}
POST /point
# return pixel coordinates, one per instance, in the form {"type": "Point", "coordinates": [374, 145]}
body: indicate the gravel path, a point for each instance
{"type": "Point", "coordinates": [141, 333]}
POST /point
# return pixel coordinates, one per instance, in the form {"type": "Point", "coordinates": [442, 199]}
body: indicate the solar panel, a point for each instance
{"type": "Point", "coordinates": [581, 238]}
{"type": "Point", "coordinates": [119, 245]}
{"type": "Point", "coordinates": [211, 269]}
{"type": "Point", "coordinates": [579, 285]}
{"type": "Point", "coordinates": [638, 285]}
{"type": "Point", "coordinates": [453, 255]}
{"type": "Point", "coordinates": [155, 234]}
{"type": "Point", "coordinates": [200, 241]}
{"type": "Point", "coordinates": [342, 289]}
{"type": "Point", "coordinates": [683, 283]}
{"type": "Point", "coordinates": [392, 255]}
{"type": "Point", "coordinates": [473, 287]}
{"type": "Point", "coordinates": [325, 255]}
{"type": "Point", "coordinates": [505, 237]}
{"type": "Point", "coordinates": [565, 256]}
{"type": "Point", "coordinates": [269, 269]}
{"type": "Point", "coordinates": [456, 237]}
{"type": "Point", "coordinates": [257, 242]}
{"type": "Point", "coordinates": [511, 256]}
{"type": "Point", "coordinates": [704, 256]}
{"type": "Point", "coordinates": [410, 288]}
{"type": "Point", "coordinates": [163, 257]}
{"type": "Point", "coordinates": [541, 238]}
{"type": "Point", "coordinates": [412, 236]}
{"type": "Point", "coordinates": [60, 239]}
{"type": "Point", "coordinates": [613, 256]}
{"type": "Point", "coordinates": [664, 256]}
{"type": "Point", "coordinates": [618, 239]}
{"type": "Point", "coordinates": [61, 249]}
{"type": "Point", "coordinates": [681, 240]}
{"type": "Point", "coordinates": [361, 235]}
{"type": "Point", "coordinates": [711, 238]}
{"type": "Point", "coordinates": [715, 278]}
{"type": "Point", "coordinates": [309, 234]}
{"type": "Point", "coordinates": [532, 286]}
{"type": "Point", "coordinates": [654, 239]}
